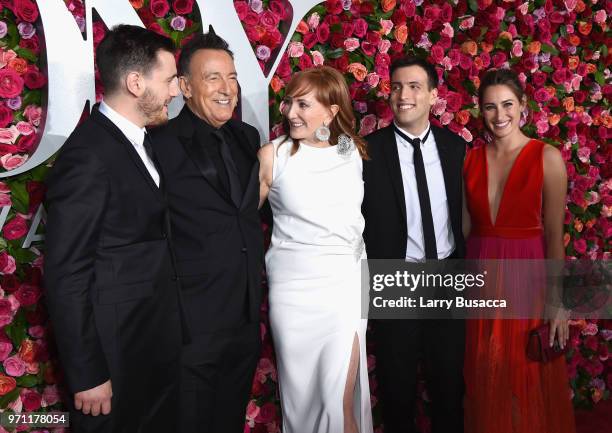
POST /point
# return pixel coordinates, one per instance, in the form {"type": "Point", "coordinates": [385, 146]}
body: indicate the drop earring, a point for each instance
{"type": "Point", "coordinates": [322, 133]}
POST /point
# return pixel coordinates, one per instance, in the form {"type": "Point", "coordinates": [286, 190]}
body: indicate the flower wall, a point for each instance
{"type": "Point", "coordinates": [559, 47]}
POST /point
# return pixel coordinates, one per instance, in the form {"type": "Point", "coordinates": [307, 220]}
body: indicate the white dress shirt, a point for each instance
{"type": "Point", "coordinates": [445, 242]}
{"type": "Point", "coordinates": [134, 134]}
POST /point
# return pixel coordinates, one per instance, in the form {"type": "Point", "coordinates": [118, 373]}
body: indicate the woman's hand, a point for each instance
{"type": "Point", "coordinates": [559, 326]}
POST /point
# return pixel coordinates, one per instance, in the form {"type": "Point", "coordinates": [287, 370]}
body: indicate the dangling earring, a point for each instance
{"type": "Point", "coordinates": [524, 118]}
{"type": "Point", "coordinates": [345, 145]}
{"type": "Point", "coordinates": [322, 133]}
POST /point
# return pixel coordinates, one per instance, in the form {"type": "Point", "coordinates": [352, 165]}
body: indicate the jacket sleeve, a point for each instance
{"type": "Point", "coordinates": [78, 191]}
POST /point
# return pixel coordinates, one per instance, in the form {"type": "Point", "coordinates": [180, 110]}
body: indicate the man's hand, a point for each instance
{"type": "Point", "coordinates": [95, 400]}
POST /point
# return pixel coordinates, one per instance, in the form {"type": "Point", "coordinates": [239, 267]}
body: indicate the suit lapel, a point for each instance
{"type": "Point", "coordinates": [129, 148]}
{"type": "Point", "coordinates": [250, 149]}
{"type": "Point", "coordinates": [392, 157]}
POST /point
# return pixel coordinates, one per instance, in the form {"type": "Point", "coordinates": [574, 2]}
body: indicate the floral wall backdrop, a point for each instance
{"type": "Point", "coordinates": [560, 47]}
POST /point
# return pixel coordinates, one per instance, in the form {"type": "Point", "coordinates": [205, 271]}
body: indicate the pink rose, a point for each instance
{"type": "Point", "coordinates": [252, 410]}
{"type": "Point", "coordinates": [6, 317]}
{"type": "Point", "coordinates": [159, 8]}
{"type": "Point", "coordinates": [517, 49]}
{"type": "Point", "coordinates": [600, 16]}
{"type": "Point", "coordinates": [466, 135]}
{"type": "Point", "coordinates": [269, 20]}
{"type": "Point", "coordinates": [50, 396]}
{"type": "Point", "coordinates": [439, 107]}
{"type": "Point", "coordinates": [15, 228]}
{"type": "Point", "coordinates": [317, 58]}
{"type": "Point", "coordinates": [383, 46]}
{"type": "Point", "coordinates": [11, 84]}
{"type": "Point", "coordinates": [6, 347]}
{"type": "Point", "coordinates": [466, 23]}
{"type": "Point", "coordinates": [242, 8]}
{"type": "Point", "coordinates": [14, 366]}
{"type": "Point", "coordinates": [446, 118]}
{"type": "Point", "coordinates": [25, 10]}
{"type": "Point", "coordinates": [351, 44]}
{"type": "Point", "coordinates": [28, 294]}
{"type": "Point", "coordinates": [313, 20]}
{"type": "Point", "coordinates": [33, 113]}
{"type": "Point", "coordinates": [386, 26]}
{"type": "Point", "coordinates": [263, 52]}
{"type": "Point", "coordinates": [9, 135]}
{"type": "Point", "coordinates": [7, 263]}
{"type": "Point", "coordinates": [182, 7]}
{"type": "Point", "coordinates": [584, 154]}
{"type": "Point", "coordinates": [5, 200]}
{"type": "Point", "coordinates": [37, 331]}
{"type": "Point", "coordinates": [373, 79]}
{"type": "Point", "coordinates": [367, 125]}
{"type": "Point", "coordinates": [295, 49]}
{"type": "Point", "coordinates": [25, 128]}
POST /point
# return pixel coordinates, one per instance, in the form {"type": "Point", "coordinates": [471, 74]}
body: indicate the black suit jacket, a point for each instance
{"type": "Point", "coordinates": [219, 246]}
{"type": "Point", "coordinates": [109, 274]}
{"type": "Point", "coordinates": [384, 204]}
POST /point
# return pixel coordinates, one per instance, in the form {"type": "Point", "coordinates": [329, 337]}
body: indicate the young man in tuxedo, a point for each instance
{"type": "Point", "coordinates": [110, 283]}
{"type": "Point", "coordinates": [412, 208]}
{"type": "Point", "coordinates": [210, 163]}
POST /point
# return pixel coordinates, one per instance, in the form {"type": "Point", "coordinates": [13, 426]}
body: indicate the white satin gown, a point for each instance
{"type": "Point", "coordinates": [314, 277]}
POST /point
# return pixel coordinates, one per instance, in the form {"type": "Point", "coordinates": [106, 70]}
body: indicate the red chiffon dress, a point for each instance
{"type": "Point", "coordinates": [505, 391]}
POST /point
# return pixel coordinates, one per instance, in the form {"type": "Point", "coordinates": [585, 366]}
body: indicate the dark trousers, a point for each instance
{"type": "Point", "coordinates": [216, 380]}
{"type": "Point", "coordinates": [399, 346]}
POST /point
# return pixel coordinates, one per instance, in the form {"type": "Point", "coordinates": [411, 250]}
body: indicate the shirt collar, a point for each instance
{"type": "Point", "coordinates": [133, 132]}
{"type": "Point", "coordinates": [412, 136]}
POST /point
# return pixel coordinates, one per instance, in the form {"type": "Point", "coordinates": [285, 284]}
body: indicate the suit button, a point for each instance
{"type": "Point", "coordinates": [244, 250]}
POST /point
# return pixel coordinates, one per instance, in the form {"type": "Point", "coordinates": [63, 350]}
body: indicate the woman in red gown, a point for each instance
{"type": "Point", "coordinates": [515, 190]}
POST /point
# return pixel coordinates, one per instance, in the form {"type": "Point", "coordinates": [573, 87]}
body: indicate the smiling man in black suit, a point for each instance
{"type": "Point", "coordinates": [210, 163]}
{"type": "Point", "coordinates": [412, 207]}
{"type": "Point", "coordinates": [110, 282]}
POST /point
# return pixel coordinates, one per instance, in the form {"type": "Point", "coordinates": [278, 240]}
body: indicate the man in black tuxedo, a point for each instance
{"type": "Point", "coordinates": [412, 208]}
{"type": "Point", "coordinates": [210, 164]}
{"type": "Point", "coordinates": [110, 283]}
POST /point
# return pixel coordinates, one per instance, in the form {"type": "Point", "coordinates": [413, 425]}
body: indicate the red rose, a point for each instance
{"type": "Point", "coordinates": [305, 62]}
{"type": "Point", "coordinates": [25, 10]}
{"type": "Point", "coordinates": [437, 53]}
{"type": "Point", "coordinates": [272, 38]}
{"type": "Point", "coordinates": [31, 44]}
{"type": "Point", "coordinates": [159, 8]}
{"type": "Point", "coordinates": [431, 12]}
{"type": "Point", "coordinates": [267, 413]}
{"type": "Point", "coordinates": [182, 7]}
{"type": "Point", "coordinates": [154, 27]}
{"type": "Point", "coordinates": [539, 79]}
{"type": "Point", "coordinates": [33, 79]}
{"type": "Point", "coordinates": [398, 17]}
{"type": "Point", "coordinates": [348, 29]}
{"type": "Point", "coordinates": [7, 384]}
{"type": "Point", "coordinates": [31, 400]}
{"type": "Point", "coordinates": [6, 116]}
{"type": "Point", "coordinates": [27, 350]}
{"type": "Point", "coordinates": [337, 40]}
{"type": "Point", "coordinates": [360, 27]}
{"type": "Point", "coordinates": [333, 6]}
{"type": "Point", "coordinates": [323, 33]}
{"type": "Point", "coordinates": [10, 283]}
{"type": "Point", "coordinates": [251, 19]}
{"type": "Point", "coordinates": [541, 95]}
{"type": "Point", "coordinates": [383, 110]}
{"type": "Point", "coordinates": [417, 28]}
{"type": "Point", "coordinates": [309, 40]}
{"type": "Point", "coordinates": [284, 69]}
{"type": "Point", "coordinates": [453, 102]}
{"type": "Point", "coordinates": [278, 8]}
{"type": "Point", "coordinates": [242, 9]}
{"type": "Point", "coordinates": [11, 84]}
{"type": "Point", "coordinates": [28, 295]}
{"type": "Point", "coordinates": [499, 58]}
{"type": "Point", "coordinates": [15, 228]}
{"type": "Point", "coordinates": [409, 9]}
{"type": "Point", "coordinates": [446, 13]}
{"type": "Point", "coordinates": [36, 190]}
{"type": "Point", "coordinates": [253, 33]}
{"type": "Point", "coordinates": [368, 48]}
{"type": "Point", "coordinates": [580, 96]}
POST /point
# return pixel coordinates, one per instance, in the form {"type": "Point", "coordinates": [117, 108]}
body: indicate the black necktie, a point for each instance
{"type": "Point", "coordinates": [429, 234]}
{"type": "Point", "coordinates": [148, 146]}
{"type": "Point", "coordinates": [232, 172]}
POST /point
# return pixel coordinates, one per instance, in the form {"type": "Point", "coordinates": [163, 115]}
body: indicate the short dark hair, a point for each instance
{"type": "Point", "coordinates": [205, 41]}
{"type": "Point", "coordinates": [402, 62]}
{"type": "Point", "coordinates": [503, 77]}
{"type": "Point", "coordinates": [128, 48]}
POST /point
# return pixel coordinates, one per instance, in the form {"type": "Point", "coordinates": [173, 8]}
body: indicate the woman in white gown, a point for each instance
{"type": "Point", "coordinates": [313, 181]}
